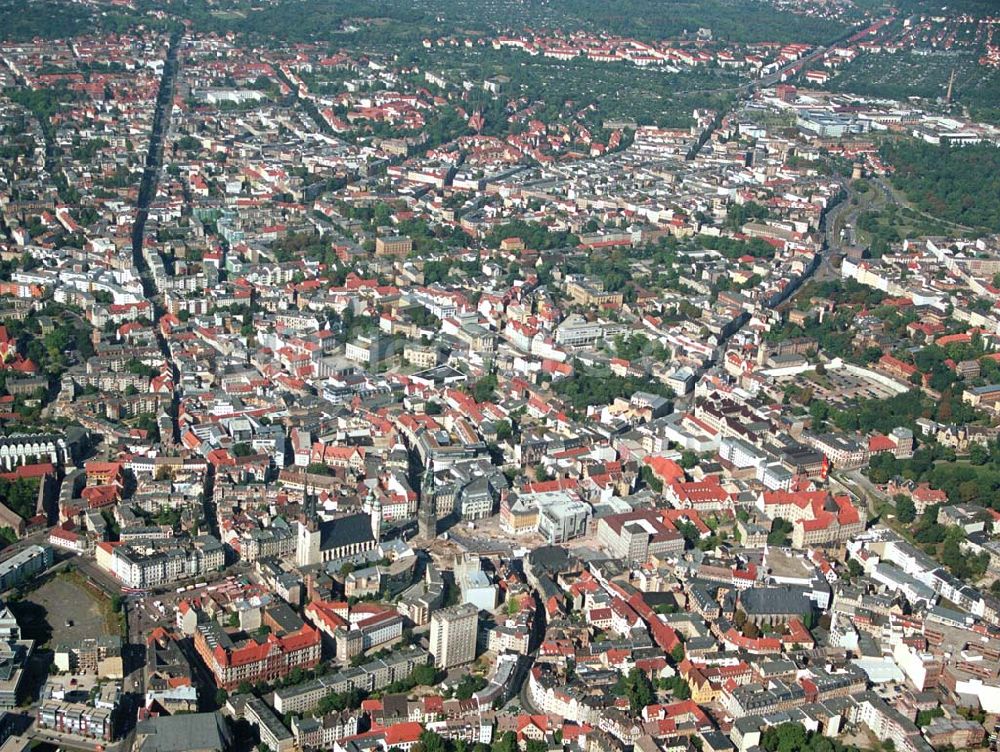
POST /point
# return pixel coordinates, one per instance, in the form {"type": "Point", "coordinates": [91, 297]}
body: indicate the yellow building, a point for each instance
{"type": "Point", "coordinates": [396, 245]}
{"type": "Point", "coordinates": [587, 292]}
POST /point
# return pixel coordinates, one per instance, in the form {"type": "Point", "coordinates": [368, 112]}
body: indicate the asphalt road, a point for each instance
{"type": "Point", "coordinates": [855, 482]}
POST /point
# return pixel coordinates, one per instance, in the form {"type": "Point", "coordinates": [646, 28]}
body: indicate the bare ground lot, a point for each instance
{"type": "Point", "coordinates": [63, 609]}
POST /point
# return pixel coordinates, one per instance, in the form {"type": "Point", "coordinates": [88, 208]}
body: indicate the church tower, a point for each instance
{"type": "Point", "coordinates": [307, 544]}
{"type": "Point", "coordinates": [427, 514]}
{"type": "Point", "coordinates": [374, 505]}
{"type": "Point", "coordinates": [307, 549]}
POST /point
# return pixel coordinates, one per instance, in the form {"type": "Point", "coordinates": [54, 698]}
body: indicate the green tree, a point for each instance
{"type": "Point", "coordinates": [431, 742]}
{"type": "Point", "coordinates": [20, 496]}
{"type": "Point", "coordinates": [788, 737]}
{"type": "Point", "coordinates": [677, 686]}
{"type": "Point", "coordinates": [819, 411]}
{"type": "Point", "coordinates": [425, 675]}
{"type": "Point", "coordinates": [780, 531]}
{"type": "Point", "coordinates": [649, 477]}
{"type": "Point", "coordinates": [637, 687]}
{"type": "Point", "coordinates": [241, 449]}
{"type": "Point", "coordinates": [468, 686]}
{"type": "Point", "coordinates": [340, 701]}
{"type": "Point", "coordinates": [957, 184]}
{"type": "Point", "coordinates": [924, 717]}
{"type": "Point", "coordinates": [484, 390]}
{"type": "Point", "coordinates": [978, 454]}
{"type": "Point", "coordinates": [906, 510]}
{"type": "Point", "coordinates": [590, 387]}
{"type": "Point", "coordinates": [504, 430]}
{"type": "Point", "coordinates": [739, 214]}
{"type": "Point", "coordinates": [506, 742]}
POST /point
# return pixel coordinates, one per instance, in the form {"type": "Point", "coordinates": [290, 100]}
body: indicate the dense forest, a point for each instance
{"type": "Point", "coordinates": [23, 20]}
{"type": "Point", "coordinates": [382, 21]}
{"type": "Point", "coordinates": [959, 184]}
{"type": "Point", "coordinates": [26, 19]}
{"type": "Point", "coordinates": [728, 20]}
{"type": "Point", "coordinates": [375, 21]}
{"type": "Point", "coordinates": [645, 19]}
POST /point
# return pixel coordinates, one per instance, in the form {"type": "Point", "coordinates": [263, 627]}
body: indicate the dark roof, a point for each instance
{"type": "Point", "coordinates": [183, 733]}
{"type": "Point", "coordinates": [395, 705]}
{"type": "Point", "coordinates": [716, 740]}
{"type": "Point", "coordinates": [344, 531]}
{"type": "Point", "coordinates": [660, 599]}
{"type": "Point", "coordinates": [548, 587]}
{"type": "Point", "coordinates": [778, 601]}
{"type": "Point", "coordinates": [550, 559]}
{"type": "Point", "coordinates": [286, 619]}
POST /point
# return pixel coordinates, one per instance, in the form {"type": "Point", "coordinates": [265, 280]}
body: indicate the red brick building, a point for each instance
{"type": "Point", "coordinates": [255, 659]}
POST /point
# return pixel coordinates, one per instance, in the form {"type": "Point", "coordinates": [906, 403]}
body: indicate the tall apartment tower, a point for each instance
{"type": "Point", "coordinates": [453, 635]}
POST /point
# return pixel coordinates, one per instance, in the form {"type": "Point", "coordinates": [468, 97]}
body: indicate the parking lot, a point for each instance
{"type": "Point", "coordinates": [838, 387]}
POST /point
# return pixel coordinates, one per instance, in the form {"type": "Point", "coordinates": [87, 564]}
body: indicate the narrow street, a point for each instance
{"type": "Point", "coordinates": [857, 482]}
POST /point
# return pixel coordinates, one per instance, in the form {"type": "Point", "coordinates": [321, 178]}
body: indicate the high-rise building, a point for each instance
{"type": "Point", "coordinates": [453, 635]}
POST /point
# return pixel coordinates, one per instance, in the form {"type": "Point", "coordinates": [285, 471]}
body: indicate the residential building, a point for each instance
{"type": "Point", "coordinates": [453, 635]}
